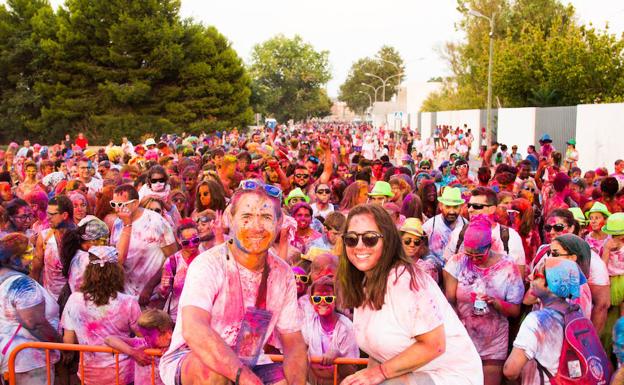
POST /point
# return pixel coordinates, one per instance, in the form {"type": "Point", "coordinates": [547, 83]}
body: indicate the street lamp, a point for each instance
{"type": "Point", "coordinates": [383, 82]}
{"type": "Point", "coordinates": [374, 89]}
{"type": "Point", "coordinates": [488, 129]}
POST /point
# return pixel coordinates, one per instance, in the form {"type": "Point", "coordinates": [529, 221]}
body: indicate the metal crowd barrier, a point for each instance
{"type": "Point", "coordinates": [81, 349]}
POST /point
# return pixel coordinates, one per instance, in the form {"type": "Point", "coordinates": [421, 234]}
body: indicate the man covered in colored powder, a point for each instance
{"type": "Point", "coordinates": [235, 296]}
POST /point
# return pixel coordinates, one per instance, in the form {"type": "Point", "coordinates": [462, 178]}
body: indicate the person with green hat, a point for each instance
{"type": "Point", "coordinates": [578, 216]}
{"type": "Point", "coordinates": [571, 155]}
{"type": "Point", "coordinates": [597, 216]}
{"type": "Point", "coordinates": [416, 247]}
{"type": "Point", "coordinates": [295, 196]}
{"type": "Point", "coordinates": [613, 256]}
{"type": "Point", "coordinates": [440, 227]}
{"type": "Point", "coordinates": [380, 193]}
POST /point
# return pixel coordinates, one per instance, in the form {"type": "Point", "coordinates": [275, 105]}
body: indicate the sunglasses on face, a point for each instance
{"type": "Point", "coordinates": [190, 242]}
{"type": "Point", "coordinates": [369, 238]}
{"type": "Point", "coordinates": [179, 200]}
{"type": "Point", "coordinates": [328, 229]}
{"type": "Point", "coordinates": [425, 168]}
{"type": "Point", "coordinates": [157, 210]}
{"type": "Point", "coordinates": [121, 205]}
{"type": "Point", "coordinates": [323, 191]}
{"type": "Point", "coordinates": [271, 190]}
{"type": "Point", "coordinates": [477, 206]}
{"type": "Point", "coordinates": [555, 253]}
{"type": "Point", "coordinates": [558, 227]}
{"type": "Point", "coordinates": [409, 241]}
{"type": "Point", "coordinates": [157, 180]}
{"type": "Point", "coordinates": [302, 278]}
{"type": "Point", "coordinates": [477, 255]}
{"type": "Point", "coordinates": [328, 299]}
{"type": "Point", "coordinates": [302, 176]}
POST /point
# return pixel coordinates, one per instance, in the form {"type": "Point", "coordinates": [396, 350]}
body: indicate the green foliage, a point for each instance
{"type": "Point", "coordinates": [354, 93]}
{"type": "Point", "coordinates": [288, 76]}
{"type": "Point", "coordinates": [542, 57]}
{"type": "Point", "coordinates": [117, 68]}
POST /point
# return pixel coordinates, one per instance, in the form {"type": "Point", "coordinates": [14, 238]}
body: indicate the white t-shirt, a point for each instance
{"type": "Point", "coordinates": [541, 338]}
{"type": "Point", "coordinates": [516, 250]}
{"type": "Point", "coordinates": [439, 233]}
{"type": "Point", "coordinates": [150, 233]}
{"type": "Point", "coordinates": [20, 292]}
{"type": "Point", "coordinates": [407, 313]}
{"type": "Point", "coordinates": [216, 283]}
{"type": "Point", "coordinates": [341, 341]}
{"type": "Point", "coordinates": [92, 324]}
{"type": "Point", "coordinates": [95, 185]}
{"type": "Point", "coordinates": [77, 269]}
{"type": "Point", "coordinates": [323, 213]}
{"type": "Point", "coordinates": [53, 279]}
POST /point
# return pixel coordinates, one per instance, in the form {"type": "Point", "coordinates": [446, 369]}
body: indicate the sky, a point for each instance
{"type": "Point", "coordinates": [352, 29]}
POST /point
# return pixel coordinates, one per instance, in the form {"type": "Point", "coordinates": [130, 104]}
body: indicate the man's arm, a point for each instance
{"type": "Point", "coordinates": [207, 346]}
{"type": "Point", "coordinates": [328, 164]}
{"type": "Point", "coordinates": [295, 358]}
{"type": "Point", "coordinates": [37, 263]}
{"type": "Point", "coordinates": [33, 319]}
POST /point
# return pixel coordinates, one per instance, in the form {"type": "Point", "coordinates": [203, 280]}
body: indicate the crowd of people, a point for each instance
{"type": "Point", "coordinates": [318, 240]}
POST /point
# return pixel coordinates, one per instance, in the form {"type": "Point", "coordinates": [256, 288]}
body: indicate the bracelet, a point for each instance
{"type": "Point", "coordinates": [383, 372]}
{"type": "Point", "coordinates": [128, 225]}
{"type": "Point", "coordinates": [238, 374]}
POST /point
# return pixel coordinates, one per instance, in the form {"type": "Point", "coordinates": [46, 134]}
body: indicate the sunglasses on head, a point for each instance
{"type": "Point", "coordinates": [203, 220]}
{"type": "Point", "coordinates": [323, 191]}
{"type": "Point", "coordinates": [157, 180]}
{"type": "Point", "coordinates": [369, 238]}
{"type": "Point", "coordinates": [302, 278]}
{"type": "Point", "coordinates": [328, 299]}
{"type": "Point", "coordinates": [190, 242]}
{"type": "Point", "coordinates": [121, 205]}
{"type": "Point", "coordinates": [314, 159]}
{"type": "Point", "coordinates": [558, 227]}
{"type": "Point", "coordinates": [271, 190]}
{"type": "Point", "coordinates": [409, 241]}
{"type": "Point", "coordinates": [477, 206]}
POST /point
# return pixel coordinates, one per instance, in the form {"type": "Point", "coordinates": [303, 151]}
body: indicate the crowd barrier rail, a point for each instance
{"type": "Point", "coordinates": [10, 376]}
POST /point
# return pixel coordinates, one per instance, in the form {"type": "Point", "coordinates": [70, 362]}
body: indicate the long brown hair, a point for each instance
{"type": "Point", "coordinates": [350, 194]}
{"type": "Point", "coordinates": [103, 207]}
{"type": "Point", "coordinates": [101, 283]}
{"type": "Point", "coordinates": [352, 280]}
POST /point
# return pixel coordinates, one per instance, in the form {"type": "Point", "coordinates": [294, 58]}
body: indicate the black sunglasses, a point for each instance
{"type": "Point", "coordinates": [369, 238]}
{"type": "Point", "coordinates": [323, 191]}
{"type": "Point", "coordinates": [158, 180]}
{"type": "Point", "coordinates": [558, 227]}
{"type": "Point", "coordinates": [477, 206]}
{"type": "Point", "coordinates": [409, 241]}
{"type": "Point", "coordinates": [302, 175]}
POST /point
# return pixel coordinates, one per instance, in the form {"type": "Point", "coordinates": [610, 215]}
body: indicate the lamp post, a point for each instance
{"type": "Point", "coordinates": [383, 82]}
{"type": "Point", "coordinates": [488, 129]}
{"type": "Point", "coordinates": [374, 89]}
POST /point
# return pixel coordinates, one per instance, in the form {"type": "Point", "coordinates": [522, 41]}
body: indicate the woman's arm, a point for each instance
{"type": "Point", "coordinates": [450, 288]}
{"type": "Point", "coordinates": [514, 364]}
{"type": "Point", "coordinates": [33, 319]}
{"type": "Point", "coordinates": [120, 345]}
{"type": "Point", "coordinates": [427, 347]}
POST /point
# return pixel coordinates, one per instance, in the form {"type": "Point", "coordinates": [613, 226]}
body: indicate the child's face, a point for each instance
{"type": "Point", "coordinates": [323, 308]}
{"type": "Point", "coordinates": [155, 338]}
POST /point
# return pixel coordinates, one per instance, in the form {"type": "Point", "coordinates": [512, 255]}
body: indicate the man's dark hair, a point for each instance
{"type": "Point", "coordinates": [13, 206]}
{"type": "Point", "coordinates": [129, 189]}
{"type": "Point", "coordinates": [490, 195]}
{"type": "Point", "coordinates": [64, 205]}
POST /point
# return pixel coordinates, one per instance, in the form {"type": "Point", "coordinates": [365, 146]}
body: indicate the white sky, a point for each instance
{"type": "Point", "coordinates": [351, 29]}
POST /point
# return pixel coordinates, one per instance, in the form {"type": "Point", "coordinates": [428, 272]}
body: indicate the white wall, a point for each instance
{"type": "Point", "coordinates": [599, 135]}
{"type": "Point", "coordinates": [460, 117]}
{"type": "Point", "coordinates": [516, 126]}
{"type": "Point", "coordinates": [425, 125]}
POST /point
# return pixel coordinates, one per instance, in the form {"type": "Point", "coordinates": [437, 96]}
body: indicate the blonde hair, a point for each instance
{"type": "Point", "coordinates": [155, 319]}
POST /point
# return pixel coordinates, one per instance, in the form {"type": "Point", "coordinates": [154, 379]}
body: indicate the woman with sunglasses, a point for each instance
{"type": "Point", "coordinates": [416, 247]}
{"type": "Point", "coordinates": [333, 228]}
{"type": "Point", "coordinates": [158, 206]}
{"type": "Point", "coordinates": [174, 270]}
{"type": "Point", "coordinates": [328, 334]}
{"type": "Point", "coordinates": [179, 198]}
{"type": "Point", "coordinates": [486, 288]}
{"type": "Point", "coordinates": [560, 222]}
{"type": "Point", "coordinates": [210, 195]}
{"type": "Point", "coordinates": [401, 318]}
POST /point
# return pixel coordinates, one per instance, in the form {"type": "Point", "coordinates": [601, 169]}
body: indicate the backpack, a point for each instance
{"type": "Point", "coordinates": [583, 361]}
{"type": "Point", "coordinates": [504, 235]}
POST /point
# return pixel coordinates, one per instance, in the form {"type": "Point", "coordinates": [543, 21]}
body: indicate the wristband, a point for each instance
{"type": "Point", "coordinates": [128, 225]}
{"type": "Point", "coordinates": [238, 374]}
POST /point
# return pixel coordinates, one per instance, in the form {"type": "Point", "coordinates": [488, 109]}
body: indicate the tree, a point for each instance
{"type": "Point", "coordinates": [542, 57]}
{"type": "Point", "coordinates": [117, 68]}
{"type": "Point", "coordinates": [356, 95]}
{"type": "Point", "coordinates": [288, 76]}
{"type": "Point", "coordinates": [23, 23]}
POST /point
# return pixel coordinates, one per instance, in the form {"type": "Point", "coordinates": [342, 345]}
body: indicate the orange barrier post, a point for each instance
{"type": "Point", "coordinates": [81, 349]}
